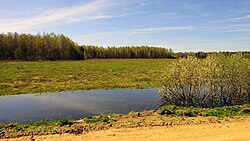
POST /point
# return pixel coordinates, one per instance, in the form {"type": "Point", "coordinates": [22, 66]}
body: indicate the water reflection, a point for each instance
{"type": "Point", "coordinates": [76, 104]}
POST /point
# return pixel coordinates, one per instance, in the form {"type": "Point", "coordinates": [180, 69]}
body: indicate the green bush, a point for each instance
{"type": "Point", "coordinates": [216, 81]}
{"type": "Point", "coordinates": [96, 119]}
{"type": "Point", "coordinates": [42, 122]}
{"type": "Point", "coordinates": [65, 121]}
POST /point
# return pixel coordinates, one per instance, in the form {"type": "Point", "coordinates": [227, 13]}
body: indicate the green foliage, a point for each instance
{"type": "Point", "coordinates": [50, 46]}
{"type": "Point", "coordinates": [41, 123]}
{"type": "Point", "coordinates": [20, 127]}
{"type": "Point", "coordinates": [104, 119]}
{"type": "Point", "coordinates": [203, 55]}
{"type": "Point", "coordinates": [25, 127]}
{"type": "Point", "coordinates": [225, 111]}
{"type": "Point", "coordinates": [167, 110]}
{"type": "Point", "coordinates": [218, 80]}
{"type": "Point", "coordinates": [179, 111]}
{"type": "Point", "coordinates": [127, 52]}
{"type": "Point", "coordinates": [38, 47]}
{"type": "Point", "coordinates": [90, 120]}
{"type": "Point", "coordinates": [59, 47]}
{"type": "Point", "coordinates": [96, 119]}
{"type": "Point", "coordinates": [65, 121]}
{"type": "Point", "coordinates": [193, 112]}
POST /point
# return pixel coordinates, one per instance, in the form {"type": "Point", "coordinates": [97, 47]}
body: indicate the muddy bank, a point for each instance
{"type": "Point", "coordinates": [137, 120]}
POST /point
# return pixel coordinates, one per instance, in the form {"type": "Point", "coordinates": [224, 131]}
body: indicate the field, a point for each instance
{"type": "Point", "coordinates": [174, 123]}
{"type": "Point", "coordinates": [19, 77]}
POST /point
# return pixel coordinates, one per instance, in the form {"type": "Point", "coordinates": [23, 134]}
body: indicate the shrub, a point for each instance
{"type": "Point", "coordinates": [96, 119]}
{"type": "Point", "coordinates": [42, 122]}
{"type": "Point", "coordinates": [65, 121]}
{"type": "Point", "coordinates": [218, 80]}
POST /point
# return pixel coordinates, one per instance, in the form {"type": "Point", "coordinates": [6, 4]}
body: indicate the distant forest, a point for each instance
{"type": "Point", "coordinates": [50, 46]}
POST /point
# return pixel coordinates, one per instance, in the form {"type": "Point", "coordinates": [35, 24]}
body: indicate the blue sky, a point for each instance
{"type": "Point", "coordinates": [182, 25]}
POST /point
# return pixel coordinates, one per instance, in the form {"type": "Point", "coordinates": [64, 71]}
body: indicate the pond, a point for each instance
{"type": "Point", "coordinates": [76, 104]}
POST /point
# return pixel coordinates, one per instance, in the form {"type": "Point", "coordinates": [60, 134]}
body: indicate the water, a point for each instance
{"type": "Point", "coordinates": [75, 104]}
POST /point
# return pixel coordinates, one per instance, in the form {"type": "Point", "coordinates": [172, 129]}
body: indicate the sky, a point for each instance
{"type": "Point", "coordinates": [182, 25]}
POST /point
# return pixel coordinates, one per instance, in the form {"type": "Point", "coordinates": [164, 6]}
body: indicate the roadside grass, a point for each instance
{"type": "Point", "coordinates": [226, 111]}
{"type": "Point", "coordinates": [43, 123]}
{"type": "Point", "coordinates": [19, 77]}
{"type": "Point", "coordinates": [39, 126]}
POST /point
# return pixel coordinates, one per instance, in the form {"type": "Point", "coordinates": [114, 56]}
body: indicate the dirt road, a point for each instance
{"type": "Point", "coordinates": [227, 131]}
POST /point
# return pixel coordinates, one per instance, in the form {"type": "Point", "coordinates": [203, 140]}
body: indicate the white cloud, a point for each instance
{"type": "Point", "coordinates": [192, 6]}
{"type": "Point", "coordinates": [239, 30]}
{"type": "Point", "coordinates": [143, 31]}
{"type": "Point", "coordinates": [220, 40]}
{"type": "Point", "coordinates": [129, 33]}
{"type": "Point", "coordinates": [89, 11]}
{"type": "Point", "coordinates": [167, 28]}
{"type": "Point", "coordinates": [239, 25]}
{"type": "Point", "coordinates": [245, 17]}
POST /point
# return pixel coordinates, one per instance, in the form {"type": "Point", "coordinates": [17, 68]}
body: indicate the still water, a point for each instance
{"type": "Point", "coordinates": [76, 104]}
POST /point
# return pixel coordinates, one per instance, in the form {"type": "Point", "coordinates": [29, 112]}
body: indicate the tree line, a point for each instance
{"type": "Point", "coordinates": [49, 46]}
{"type": "Point", "coordinates": [127, 52]}
{"type": "Point", "coordinates": [36, 47]}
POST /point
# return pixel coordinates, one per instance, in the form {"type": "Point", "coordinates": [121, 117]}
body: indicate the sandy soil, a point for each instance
{"type": "Point", "coordinates": [228, 131]}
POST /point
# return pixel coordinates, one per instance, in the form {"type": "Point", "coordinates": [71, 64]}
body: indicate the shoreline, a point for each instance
{"type": "Point", "coordinates": [123, 121]}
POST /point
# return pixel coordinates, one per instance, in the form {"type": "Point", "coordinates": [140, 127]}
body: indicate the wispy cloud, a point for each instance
{"type": "Point", "coordinates": [166, 28]}
{"type": "Point", "coordinates": [191, 6]}
{"type": "Point", "coordinates": [239, 30]}
{"type": "Point", "coordinates": [239, 25]}
{"type": "Point", "coordinates": [84, 12]}
{"type": "Point", "coordinates": [220, 40]}
{"type": "Point", "coordinates": [245, 17]}
{"type": "Point", "coordinates": [135, 31]}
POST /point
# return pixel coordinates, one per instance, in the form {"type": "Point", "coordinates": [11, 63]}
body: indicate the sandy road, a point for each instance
{"type": "Point", "coordinates": [228, 131]}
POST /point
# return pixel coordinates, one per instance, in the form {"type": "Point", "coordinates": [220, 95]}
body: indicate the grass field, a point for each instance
{"type": "Point", "coordinates": [18, 77]}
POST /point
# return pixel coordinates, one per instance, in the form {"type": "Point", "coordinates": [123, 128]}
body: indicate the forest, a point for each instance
{"type": "Point", "coordinates": [49, 46]}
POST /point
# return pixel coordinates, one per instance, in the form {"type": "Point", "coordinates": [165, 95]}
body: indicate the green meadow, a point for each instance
{"type": "Point", "coordinates": [21, 77]}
